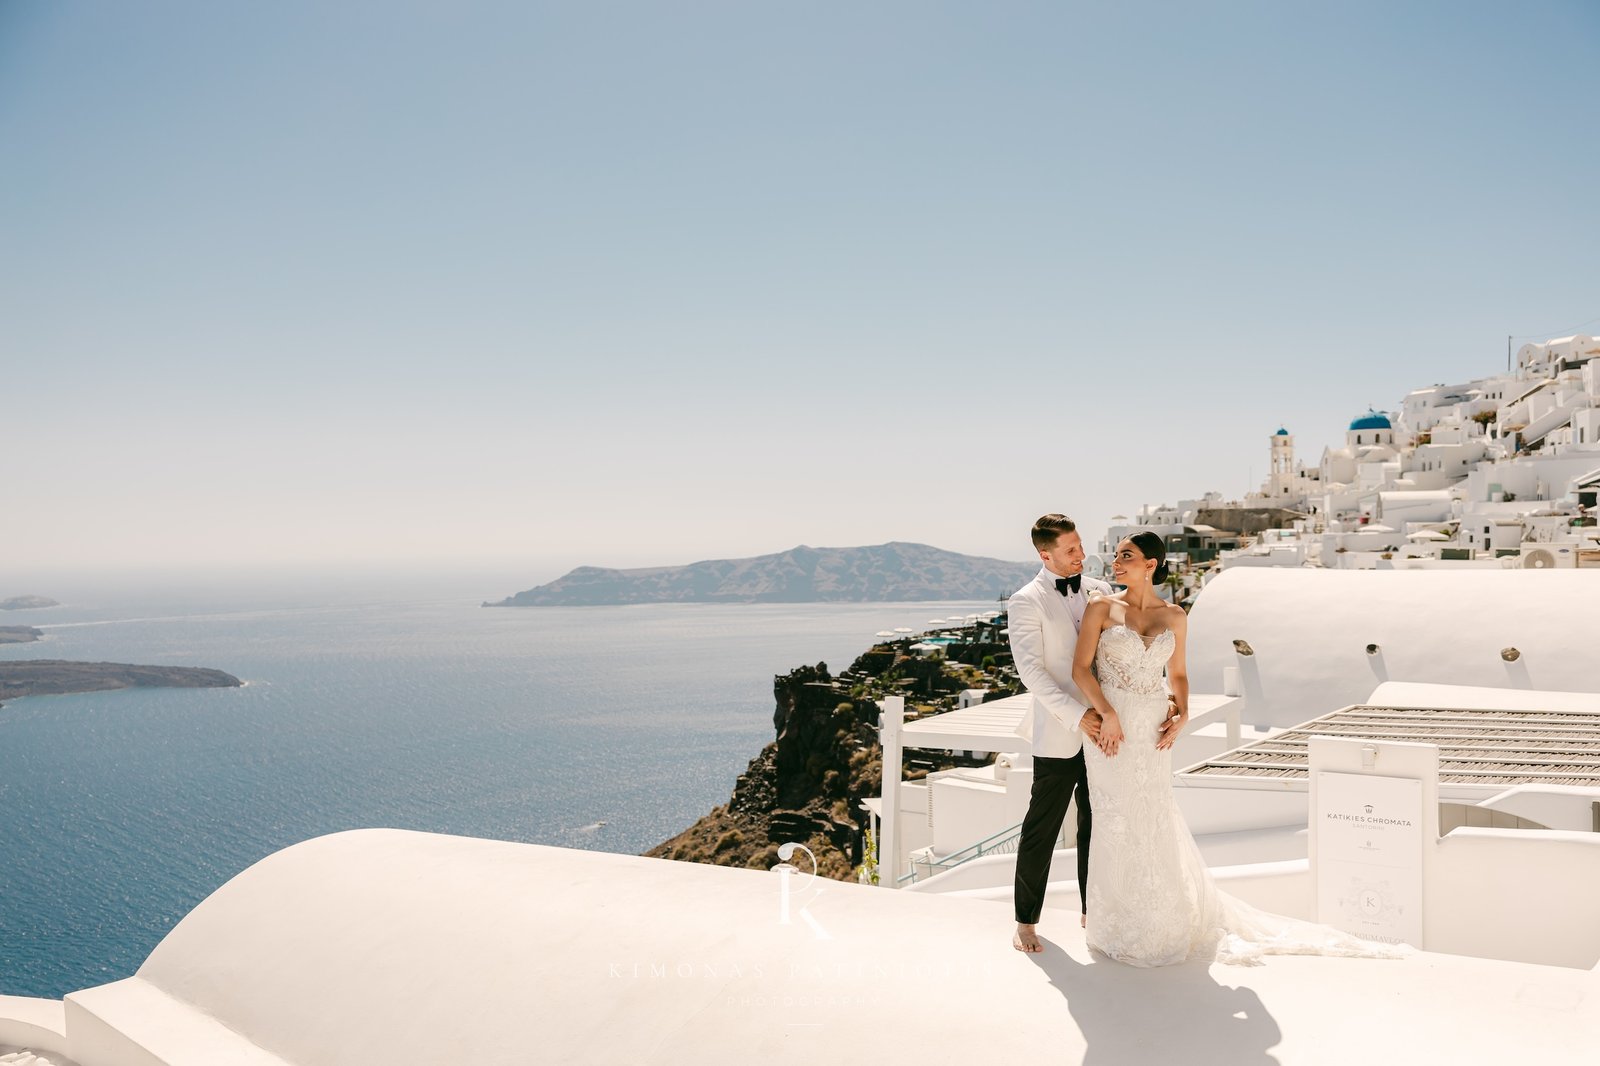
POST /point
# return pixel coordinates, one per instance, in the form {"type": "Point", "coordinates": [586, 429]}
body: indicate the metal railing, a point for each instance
{"type": "Point", "coordinates": [1004, 842]}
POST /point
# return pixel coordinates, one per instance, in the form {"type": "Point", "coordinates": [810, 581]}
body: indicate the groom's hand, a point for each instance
{"type": "Point", "coordinates": [1090, 725]}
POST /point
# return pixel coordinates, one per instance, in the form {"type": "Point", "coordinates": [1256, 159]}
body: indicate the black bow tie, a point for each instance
{"type": "Point", "coordinates": [1068, 585]}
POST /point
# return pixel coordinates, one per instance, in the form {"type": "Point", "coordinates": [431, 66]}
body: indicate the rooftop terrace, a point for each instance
{"type": "Point", "coordinates": [1489, 748]}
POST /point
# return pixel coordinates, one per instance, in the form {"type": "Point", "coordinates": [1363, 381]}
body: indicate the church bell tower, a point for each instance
{"type": "Point", "coordinates": [1282, 464]}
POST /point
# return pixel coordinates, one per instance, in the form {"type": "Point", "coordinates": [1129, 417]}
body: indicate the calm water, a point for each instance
{"type": "Point", "coordinates": [120, 811]}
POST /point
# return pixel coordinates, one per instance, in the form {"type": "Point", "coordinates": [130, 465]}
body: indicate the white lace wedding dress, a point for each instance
{"type": "Point", "coordinates": [1152, 902]}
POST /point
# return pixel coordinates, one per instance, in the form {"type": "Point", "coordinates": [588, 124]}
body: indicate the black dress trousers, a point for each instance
{"type": "Point", "coordinates": [1054, 782]}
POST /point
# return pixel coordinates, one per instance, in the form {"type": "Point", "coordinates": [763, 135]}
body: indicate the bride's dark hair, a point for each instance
{"type": "Point", "coordinates": [1152, 547]}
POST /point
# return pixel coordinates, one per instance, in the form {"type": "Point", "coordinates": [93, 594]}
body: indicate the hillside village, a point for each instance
{"type": "Point", "coordinates": [1498, 471]}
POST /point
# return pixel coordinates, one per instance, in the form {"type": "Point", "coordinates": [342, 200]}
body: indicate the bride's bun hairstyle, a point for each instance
{"type": "Point", "coordinates": [1152, 547]}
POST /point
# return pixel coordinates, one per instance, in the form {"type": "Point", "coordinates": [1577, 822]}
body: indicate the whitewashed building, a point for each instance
{"type": "Point", "coordinates": [1501, 470]}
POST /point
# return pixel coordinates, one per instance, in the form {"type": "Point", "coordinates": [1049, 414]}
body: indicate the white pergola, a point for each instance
{"type": "Point", "coordinates": [982, 727]}
{"type": "Point", "coordinates": [985, 727]}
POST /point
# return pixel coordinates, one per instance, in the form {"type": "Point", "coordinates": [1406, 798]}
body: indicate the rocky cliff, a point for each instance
{"type": "Point", "coordinates": [881, 573]}
{"type": "Point", "coordinates": [806, 785]}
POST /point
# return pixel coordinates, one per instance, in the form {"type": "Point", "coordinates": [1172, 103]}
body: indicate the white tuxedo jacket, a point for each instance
{"type": "Point", "coordinates": [1044, 636]}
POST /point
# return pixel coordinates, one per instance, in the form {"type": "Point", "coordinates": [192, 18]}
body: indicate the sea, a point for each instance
{"type": "Point", "coordinates": [603, 728]}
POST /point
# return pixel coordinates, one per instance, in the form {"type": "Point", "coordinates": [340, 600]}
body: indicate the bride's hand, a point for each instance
{"type": "Point", "coordinates": [1110, 733]}
{"type": "Point", "coordinates": [1171, 728]}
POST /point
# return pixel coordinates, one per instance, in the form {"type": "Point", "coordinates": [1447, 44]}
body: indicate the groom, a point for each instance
{"type": "Point", "coordinates": [1044, 616]}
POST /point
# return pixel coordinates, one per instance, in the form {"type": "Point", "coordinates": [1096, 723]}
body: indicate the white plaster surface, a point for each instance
{"type": "Point", "coordinates": [16, 1056]}
{"type": "Point", "coordinates": [378, 947]}
{"type": "Point", "coordinates": [36, 1024]}
{"type": "Point", "coordinates": [1309, 630]}
{"type": "Point", "coordinates": [1551, 806]}
{"type": "Point", "coordinates": [1469, 697]}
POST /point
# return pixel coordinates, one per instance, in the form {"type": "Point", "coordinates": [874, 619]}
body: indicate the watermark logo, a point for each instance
{"type": "Point", "coordinates": [804, 893]}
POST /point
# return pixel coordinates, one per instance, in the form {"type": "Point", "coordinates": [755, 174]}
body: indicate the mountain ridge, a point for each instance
{"type": "Point", "coordinates": [897, 571]}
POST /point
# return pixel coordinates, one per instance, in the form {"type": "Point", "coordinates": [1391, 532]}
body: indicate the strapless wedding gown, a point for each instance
{"type": "Point", "coordinates": [1152, 902]}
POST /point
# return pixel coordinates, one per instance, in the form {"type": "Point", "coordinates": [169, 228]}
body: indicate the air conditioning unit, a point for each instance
{"type": "Point", "coordinates": [1549, 557]}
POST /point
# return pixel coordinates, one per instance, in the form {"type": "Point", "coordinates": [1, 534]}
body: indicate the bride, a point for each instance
{"type": "Point", "coordinates": [1151, 900]}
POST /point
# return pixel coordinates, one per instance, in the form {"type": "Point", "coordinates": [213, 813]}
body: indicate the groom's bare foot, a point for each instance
{"type": "Point", "coordinates": [1083, 920]}
{"type": "Point", "coordinates": [1026, 940]}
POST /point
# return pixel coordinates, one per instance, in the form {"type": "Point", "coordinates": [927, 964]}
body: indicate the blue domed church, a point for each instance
{"type": "Point", "coordinates": [1371, 428]}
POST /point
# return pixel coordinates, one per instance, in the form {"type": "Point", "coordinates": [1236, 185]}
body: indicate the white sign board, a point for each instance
{"type": "Point", "coordinates": [1369, 855]}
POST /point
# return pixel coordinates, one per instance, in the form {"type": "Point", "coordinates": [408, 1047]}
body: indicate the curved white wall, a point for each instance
{"type": "Point", "coordinates": [1309, 630]}
{"type": "Point", "coordinates": [382, 947]}
{"type": "Point", "coordinates": [36, 1024]}
{"type": "Point", "coordinates": [378, 947]}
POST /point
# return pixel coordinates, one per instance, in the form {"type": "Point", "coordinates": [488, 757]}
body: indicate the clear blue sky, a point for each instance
{"type": "Point", "coordinates": [527, 285]}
